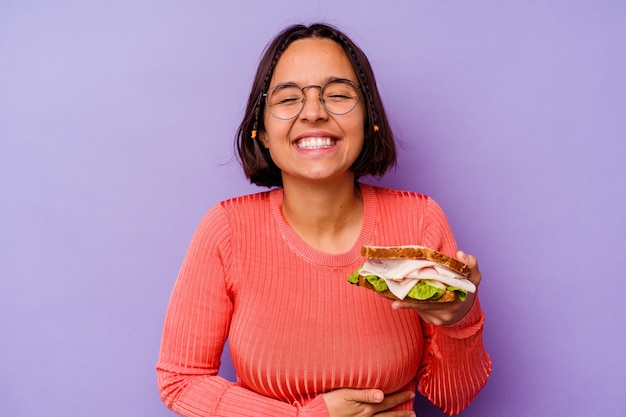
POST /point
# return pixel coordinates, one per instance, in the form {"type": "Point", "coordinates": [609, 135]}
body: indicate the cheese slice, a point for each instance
{"type": "Point", "coordinates": [402, 274]}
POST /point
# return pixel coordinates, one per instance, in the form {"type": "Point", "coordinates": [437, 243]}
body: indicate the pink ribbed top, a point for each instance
{"type": "Point", "coordinates": [296, 327]}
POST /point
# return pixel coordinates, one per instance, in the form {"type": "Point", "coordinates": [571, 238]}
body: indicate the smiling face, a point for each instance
{"type": "Point", "coordinates": [315, 145]}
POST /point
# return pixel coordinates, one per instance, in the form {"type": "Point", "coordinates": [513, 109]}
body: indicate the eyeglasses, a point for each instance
{"type": "Point", "coordinates": [286, 101]}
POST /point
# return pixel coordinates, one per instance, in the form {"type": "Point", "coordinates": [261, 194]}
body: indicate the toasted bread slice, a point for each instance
{"type": "Point", "coordinates": [415, 252]}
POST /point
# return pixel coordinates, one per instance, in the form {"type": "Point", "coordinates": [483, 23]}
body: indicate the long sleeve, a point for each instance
{"type": "Point", "coordinates": [196, 327]}
{"type": "Point", "coordinates": [455, 365]}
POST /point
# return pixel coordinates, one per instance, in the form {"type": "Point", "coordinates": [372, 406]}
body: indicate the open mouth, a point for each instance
{"type": "Point", "coordinates": [315, 143]}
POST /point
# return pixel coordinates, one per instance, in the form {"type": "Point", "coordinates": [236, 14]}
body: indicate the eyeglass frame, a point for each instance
{"type": "Point", "coordinates": [321, 89]}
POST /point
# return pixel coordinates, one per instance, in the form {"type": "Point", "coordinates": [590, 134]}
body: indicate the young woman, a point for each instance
{"type": "Point", "coordinates": [268, 271]}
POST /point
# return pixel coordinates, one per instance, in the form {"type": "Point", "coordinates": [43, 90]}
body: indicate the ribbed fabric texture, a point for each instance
{"type": "Point", "coordinates": [296, 327]}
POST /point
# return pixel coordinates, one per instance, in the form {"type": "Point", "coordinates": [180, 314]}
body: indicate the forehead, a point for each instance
{"type": "Point", "coordinates": [313, 61]}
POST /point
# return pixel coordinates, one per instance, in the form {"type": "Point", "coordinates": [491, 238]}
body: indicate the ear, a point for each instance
{"type": "Point", "coordinates": [263, 139]}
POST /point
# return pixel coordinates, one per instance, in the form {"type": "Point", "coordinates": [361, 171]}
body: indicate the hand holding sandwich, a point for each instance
{"type": "Point", "coordinates": [441, 288]}
{"type": "Point", "coordinates": [441, 314]}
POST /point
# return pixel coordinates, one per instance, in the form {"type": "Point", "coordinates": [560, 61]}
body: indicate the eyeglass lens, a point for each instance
{"type": "Point", "coordinates": [287, 101]}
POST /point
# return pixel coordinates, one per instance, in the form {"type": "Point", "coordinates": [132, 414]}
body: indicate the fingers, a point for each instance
{"type": "Point", "coordinates": [370, 396]}
{"type": "Point", "coordinates": [346, 402]}
{"type": "Point", "coordinates": [395, 399]}
{"type": "Point", "coordinates": [472, 262]}
{"type": "Point", "coordinates": [467, 259]}
{"type": "Point", "coordinates": [376, 396]}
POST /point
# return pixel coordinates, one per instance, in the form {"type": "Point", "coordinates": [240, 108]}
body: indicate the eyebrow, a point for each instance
{"type": "Point", "coordinates": [284, 85]}
{"type": "Point", "coordinates": [327, 80]}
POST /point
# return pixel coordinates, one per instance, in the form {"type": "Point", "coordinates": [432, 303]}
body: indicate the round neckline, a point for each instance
{"type": "Point", "coordinates": [315, 256]}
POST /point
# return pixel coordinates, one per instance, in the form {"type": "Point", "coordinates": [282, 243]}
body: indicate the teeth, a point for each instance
{"type": "Point", "coordinates": [315, 143]}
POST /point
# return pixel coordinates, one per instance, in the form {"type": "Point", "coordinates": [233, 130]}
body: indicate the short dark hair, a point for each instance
{"type": "Point", "coordinates": [379, 148]}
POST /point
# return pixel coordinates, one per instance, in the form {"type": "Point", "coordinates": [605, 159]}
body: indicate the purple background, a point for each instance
{"type": "Point", "coordinates": [116, 127]}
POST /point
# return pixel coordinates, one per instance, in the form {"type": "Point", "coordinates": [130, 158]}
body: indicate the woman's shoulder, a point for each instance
{"type": "Point", "coordinates": [237, 206]}
{"type": "Point", "coordinates": [247, 200]}
{"type": "Point", "coordinates": [405, 201]}
{"type": "Point", "coordinates": [398, 195]}
{"type": "Point", "coordinates": [234, 213]}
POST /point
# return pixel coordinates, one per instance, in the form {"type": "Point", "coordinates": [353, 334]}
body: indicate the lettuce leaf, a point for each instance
{"type": "Point", "coordinates": [462, 294]}
{"type": "Point", "coordinates": [423, 290]}
{"type": "Point", "coordinates": [378, 283]}
{"type": "Point", "coordinates": [354, 277]}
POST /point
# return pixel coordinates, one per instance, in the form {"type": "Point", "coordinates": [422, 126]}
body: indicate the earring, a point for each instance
{"type": "Point", "coordinates": [376, 128]}
{"type": "Point", "coordinates": [253, 136]}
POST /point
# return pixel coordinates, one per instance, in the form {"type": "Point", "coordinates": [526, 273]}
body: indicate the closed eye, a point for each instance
{"type": "Point", "coordinates": [290, 100]}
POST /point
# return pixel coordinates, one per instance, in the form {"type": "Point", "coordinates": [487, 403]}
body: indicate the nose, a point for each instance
{"type": "Point", "coordinates": [313, 109]}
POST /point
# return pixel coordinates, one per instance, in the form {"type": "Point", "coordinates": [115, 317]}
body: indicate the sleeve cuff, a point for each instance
{"type": "Point", "coordinates": [468, 325]}
{"type": "Point", "coordinates": [316, 408]}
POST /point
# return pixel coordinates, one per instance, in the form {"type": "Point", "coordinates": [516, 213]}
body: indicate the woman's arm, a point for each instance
{"type": "Point", "coordinates": [455, 365]}
{"type": "Point", "coordinates": [196, 326]}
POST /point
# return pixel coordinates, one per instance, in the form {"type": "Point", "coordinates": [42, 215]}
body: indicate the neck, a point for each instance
{"type": "Point", "coordinates": [326, 216]}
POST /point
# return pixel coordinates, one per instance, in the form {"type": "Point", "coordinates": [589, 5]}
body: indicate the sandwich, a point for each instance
{"type": "Point", "coordinates": [414, 274]}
